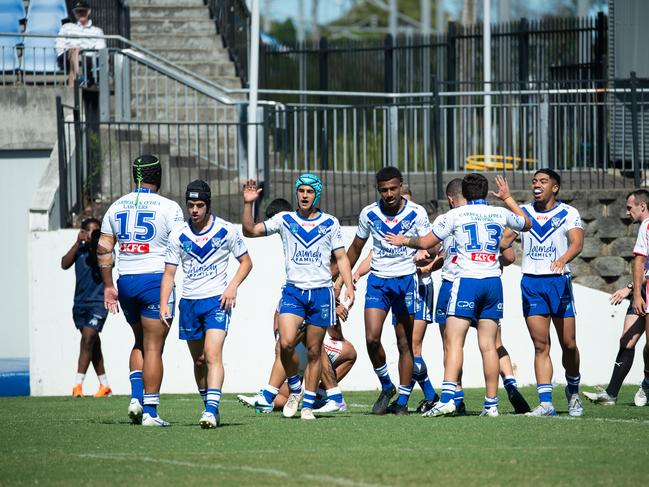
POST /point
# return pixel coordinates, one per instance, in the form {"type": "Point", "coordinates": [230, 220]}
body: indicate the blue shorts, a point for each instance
{"type": "Point", "coordinates": [139, 296]}
{"type": "Point", "coordinates": [547, 295]}
{"type": "Point", "coordinates": [476, 299]}
{"type": "Point", "coordinates": [630, 310]}
{"type": "Point", "coordinates": [199, 315]}
{"type": "Point", "coordinates": [443, 297]}
{"type": "Point", "coordinates": [92, 317]}
{"type": "Point", "coordinates": [316, 306]}
{"type": "Point", "coordinates": [396, 293]}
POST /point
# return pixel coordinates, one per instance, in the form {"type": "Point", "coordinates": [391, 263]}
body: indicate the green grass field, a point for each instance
{"type": "Point", "coordinates": [63, 441]}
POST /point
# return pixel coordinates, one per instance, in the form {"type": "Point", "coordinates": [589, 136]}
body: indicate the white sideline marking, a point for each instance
{"type": "Point", "coordinates": [216, 466]}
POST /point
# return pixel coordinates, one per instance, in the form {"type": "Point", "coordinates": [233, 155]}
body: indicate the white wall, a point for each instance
{"type": "Point", "coordinates": [248, 351]}
{"type": "Point", "coordinates": [19, 177]}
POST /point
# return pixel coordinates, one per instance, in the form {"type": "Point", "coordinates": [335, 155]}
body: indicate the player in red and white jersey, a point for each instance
{"type": "Point", "coordinates": [140, 223]}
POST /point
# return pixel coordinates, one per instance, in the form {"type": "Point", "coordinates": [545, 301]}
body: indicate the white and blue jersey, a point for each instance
{"type": "Point", "coordinates": [449, 273]}
{"type": "Point", "coordinates": [204, 256]}
{"type": "Point", "coordinates": [308, 245]}
{"type": "Point", "coordinates": [142, 233]}
{"type": "Point", "coordinates": [543, 291]}
{"type": "Point", "coordinates": [477, 228]}
{"type": "Point", "coordinates": [547, 240]}
{"type": "Point", "coordinates": [389, 260]}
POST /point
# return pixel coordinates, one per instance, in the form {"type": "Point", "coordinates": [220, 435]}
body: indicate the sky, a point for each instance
{"type": "Point", "coordinates": [332, 9]}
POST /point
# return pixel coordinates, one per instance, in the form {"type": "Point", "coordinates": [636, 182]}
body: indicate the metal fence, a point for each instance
{"type": "Point", "coordinates": [522, 51]}
{"type": "Point", "coordinates": [596, 138]}
{"type": "Point", "coordinates": [95, 161]}
{"type": "Point", "coordinates": [113, 16]}
{"type": "Point", "coordinates": [232, 19]}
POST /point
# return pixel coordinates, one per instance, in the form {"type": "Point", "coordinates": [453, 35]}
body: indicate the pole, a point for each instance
{"type": "Point", "coordinates": [486, 50]}
{"type": "Point", "coordinates": [393, 18]}
{"type": "Point", "coordinates": [254, 88]}
{"type": "Point", "coordinates": [425, 17]}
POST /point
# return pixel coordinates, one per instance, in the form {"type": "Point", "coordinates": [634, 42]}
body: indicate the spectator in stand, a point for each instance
{"type": "Point", "coordinates": [88, 37]}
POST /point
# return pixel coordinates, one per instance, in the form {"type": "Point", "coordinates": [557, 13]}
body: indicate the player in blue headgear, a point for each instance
{"type": "Point", "coordinates": [312, 181]}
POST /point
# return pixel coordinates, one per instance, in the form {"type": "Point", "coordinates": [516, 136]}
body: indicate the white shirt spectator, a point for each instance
{"type": "Point", "coordinates": [84, 40]}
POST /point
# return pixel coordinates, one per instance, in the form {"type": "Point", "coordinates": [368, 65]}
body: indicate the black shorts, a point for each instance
{"type": "Point", "coordinates": [630, 310]}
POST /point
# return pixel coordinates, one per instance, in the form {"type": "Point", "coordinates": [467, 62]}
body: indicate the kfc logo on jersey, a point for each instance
{"type": "Point", "coordinates": [134, 248]}
{"type": "Point", "coordinates": [484, 257]}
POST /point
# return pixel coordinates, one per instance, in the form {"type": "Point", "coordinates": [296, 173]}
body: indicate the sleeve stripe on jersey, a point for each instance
{"type": "Point", "coordinates": [638, 253]}
{"type": "Point", "coordinates": [436, 236]}
{"type": "Point", "coordinates": [358, 236]}
{"type": "Point", "coordinates": [265, 229]}
{"type": "Point", "coordinates": [171, 263]}
{"type": "Point", "coordinates": [337, 248]}
{"type": "Point", "coordinates": [239, 256]}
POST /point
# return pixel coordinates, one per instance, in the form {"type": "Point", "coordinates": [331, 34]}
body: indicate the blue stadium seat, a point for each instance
{"type": "Point", "coordinates": [51, 7]}
{"type": "Point", "coordinates": [8, 53]}
{"type": "Point", "coordinates": [15, 8]}
{"type": "Point", "coordinates": [43, 23]}
{"type": "Point", "coordinates": [39, 55]}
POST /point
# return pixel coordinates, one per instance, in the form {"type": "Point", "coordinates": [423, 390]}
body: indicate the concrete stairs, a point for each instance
{"type": "Point", "coordinates": [181, 31]}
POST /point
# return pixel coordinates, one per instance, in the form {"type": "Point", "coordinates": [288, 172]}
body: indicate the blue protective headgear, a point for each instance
{"type": "Point", "coordinates": [310, 180]}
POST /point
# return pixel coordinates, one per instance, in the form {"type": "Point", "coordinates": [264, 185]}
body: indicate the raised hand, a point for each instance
{"type": "Point", "coordinates": [250, 191]}
{"type": "Point", "coordinates": [503, 189]}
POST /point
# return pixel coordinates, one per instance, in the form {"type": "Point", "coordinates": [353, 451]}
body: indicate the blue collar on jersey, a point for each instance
{"type": "Point", "coordinates": [546, 211]}
{"type": "Point", "coordinates": [189, 224]}
{"type": "Point", "coordinates": [380, 205]}
{"type": "Point", "coordinates": [479, 201]}
{"type": "Point", "coordinates": [143, 190]}
{"type": "Point", "coordinates": [318, 215]}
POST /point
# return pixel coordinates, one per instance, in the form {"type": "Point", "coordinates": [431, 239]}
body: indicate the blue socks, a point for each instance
{"type": "Point", "coordinates": [448, 391]}
{"type": "Point", "coordinates": [335, 394]}
{"type": "Point", "coordinates": [458, 397]}
{"type": "Point", "coordinates": [137, 386]}
{"type": "Point", "coordinates": [213, 400]}
{"type": "Point", "coordinates": [490, 402]}
{"type": "Point", "coordinates": [420, 375]}
{"type": "Point", "coordinates": [309, 399]}
{"type": "Point", "coordinates": [404, 395]}
{"type": "Point", "coordinates": [203, 393]}
{"type": "Point", "coordinates": [384, 377]}
{"type": "Point", "coordinates": [573, 383]}
{"type": "Point", "coordinates": [151, 402]}
{"type": "Point", "coordinates": [270, 393]}
{"type": "Point", "coordinates": [545, 392]}
{"type": "Point", "coordinates": [295, 384]}
{"type": "Point", "coordinates": [510, 383]}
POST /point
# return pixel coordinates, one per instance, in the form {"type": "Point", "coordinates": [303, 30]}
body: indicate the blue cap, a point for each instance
{"type": "Point", "coordinates": [310, 180]}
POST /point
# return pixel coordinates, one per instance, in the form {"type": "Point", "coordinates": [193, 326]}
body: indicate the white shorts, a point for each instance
{"type": "Point", "coordinates": [333, 348]}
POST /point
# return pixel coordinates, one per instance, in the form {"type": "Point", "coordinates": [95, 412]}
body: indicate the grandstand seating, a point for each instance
{"type": "Point", "coordinates": [8, 52]}
{"type": "Point", "coordinates": [15, 8]}
{"type": "Point", "coordinates": [54, 8]}
{"type": "Point", "coordinates": [39, 56]}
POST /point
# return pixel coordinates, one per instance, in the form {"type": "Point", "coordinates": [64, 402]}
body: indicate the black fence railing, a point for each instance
{"type": "Point", "coordinates": [595, 134]}
{"type": "Point", "coordinates": [112, 16]}
{"type": "Point", "coordinates": [522, 51]}
{"type": "Point", "coordinates": [232, 19]}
